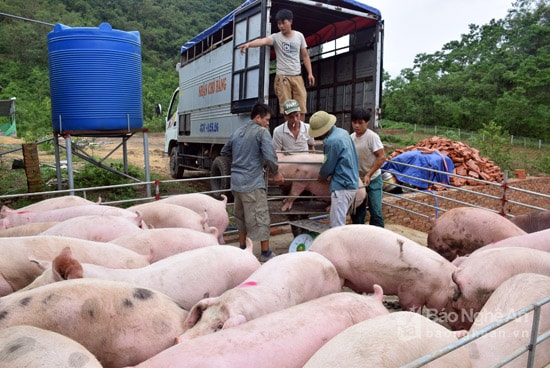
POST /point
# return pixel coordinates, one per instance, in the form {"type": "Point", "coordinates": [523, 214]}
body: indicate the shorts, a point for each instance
{"type": "Point", "coordinates": [290, 86]}
{"type": "Point", "coordinates": [252, 213]}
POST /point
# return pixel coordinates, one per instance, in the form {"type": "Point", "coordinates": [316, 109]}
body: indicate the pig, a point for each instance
{"type": "Point", "coordinates": [120, 323]}
{"type": "Point", "coordinates": [461, 230]}
{"type": "Point", "coordinates": [164, 242]}
{"type": "Point", "coordinates": [186, 277]}
{"type": "Point", "coordinates": [161, 215]}
{"type": "Point", "coordinates": [27, 229]}
{"type": "Point", "coordinates": [517, 292]}
{"type": "Point", "coordinates": [480, 274]}
{"type": "Point", "coordinates": [201, 203]}
{"type": "Point", "coordinates": [285, 338]}
{"type": "Point", "coordinates": [539, 240]}
{"type": "Point", "coordinates": [105, 227]}
{"type": "Point", "coordinates": [389, 340]}
{"type": "Point", "coordinates": [533, 221]}
{"type": "Point", "coordinates": [17, 271]}
{"type": "Point", "coordinates": [300, 166]}
{"type": "Point", "coordinates": [281, 282]}
{"type": "Point", "coordinates": [28, 346]}
{"type": "Point", "coordinates": [365, 255]}
{"type": "Point", "coordinates": [50, 204]}
{"type": "Point", "coordinates": [61, 214]}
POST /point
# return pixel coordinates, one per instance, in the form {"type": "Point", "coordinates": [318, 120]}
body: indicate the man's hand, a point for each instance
{"type": "Point", "coordinates": [243, 47]}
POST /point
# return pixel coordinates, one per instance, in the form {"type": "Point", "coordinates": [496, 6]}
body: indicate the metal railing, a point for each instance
{"type": "Point", "coordinates": [531, 347]}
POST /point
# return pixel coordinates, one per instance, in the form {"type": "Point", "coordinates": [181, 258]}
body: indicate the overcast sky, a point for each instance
{"type": "Point", "coordinates": [412, 27]}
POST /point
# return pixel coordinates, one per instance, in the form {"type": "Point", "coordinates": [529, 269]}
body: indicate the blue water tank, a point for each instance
{"type": "Point", "coordinates": [95, 78]}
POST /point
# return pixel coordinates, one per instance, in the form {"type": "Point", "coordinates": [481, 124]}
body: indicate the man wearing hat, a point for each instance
{"type": "Point", "coordinates": [292, 136]}
{"type": "Point", "coordinates": [341, 164]}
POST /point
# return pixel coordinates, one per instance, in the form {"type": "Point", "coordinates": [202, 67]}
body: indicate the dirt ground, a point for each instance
{"type": "Point", "coordinates": [100, 147]}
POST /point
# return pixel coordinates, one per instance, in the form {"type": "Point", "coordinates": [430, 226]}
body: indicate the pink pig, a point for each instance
{"type": "Point", "coordinates": [389, 340]}
{"type": "Point", "coordinates": [201, 203]}
{"type": "Point", "coordinates": [121, 324]}
{"type": "Point", "coordinates": [161, 215]}
{"type": "Point", "coordinates": [297, 167]}
{"type": "Point", "coordinates": [283, 339]}
{"type": "Point", "coordinates": [17, 271]}
{"type": "Point", "coordinates": [186, 277]}
{"type": "Point", "coordinates": [462, 230]}
{"type": "Point", "coordinates": [481, 273]}
{"type": "Point", "coordinates": [61, 214]}
{"type": "Point", "coordinates": [164, 242]}
{"type": "Point", "coordinates": [517, 292]}
{"type": "Point", "coordinates": [28, 346]}
{"type": "Point", "coordinates": [283, 281]}
{"type": "Point", "coordinates": [365, 255]}
{"type": "Point", "coordinates": [50, 204]}
{"type": "Point", "coordinates": [104, 227]}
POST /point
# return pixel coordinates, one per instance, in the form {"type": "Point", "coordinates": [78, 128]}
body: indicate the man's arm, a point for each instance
{"type": "Point", "coordinates": [307, 64]}
{"type": "Point", "coordinates": [266, 41]}
{"type": "Point", "coordinates": [380, 159]}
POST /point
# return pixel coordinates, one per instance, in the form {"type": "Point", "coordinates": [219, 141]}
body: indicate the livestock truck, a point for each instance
{"type": "Point", "coordinates": [218, 85]}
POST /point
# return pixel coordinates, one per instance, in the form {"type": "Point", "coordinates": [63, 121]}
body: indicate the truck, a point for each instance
{"type": "Point", "coordinates": [218, 85]}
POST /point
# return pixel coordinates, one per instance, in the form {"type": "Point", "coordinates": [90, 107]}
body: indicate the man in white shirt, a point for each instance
{"type": "Point", "coordinates": [292, 136]}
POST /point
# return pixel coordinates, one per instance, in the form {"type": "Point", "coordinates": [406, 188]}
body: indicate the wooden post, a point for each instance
{"type": "Point", "coordinates": [32, 167]}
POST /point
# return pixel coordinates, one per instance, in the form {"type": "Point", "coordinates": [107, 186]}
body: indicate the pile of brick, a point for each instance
{"type": "Point", "coordinates": [466, 160]}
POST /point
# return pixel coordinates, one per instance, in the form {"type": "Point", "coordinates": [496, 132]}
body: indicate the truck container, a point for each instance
{"type": "Point", "coordinates": [218, 85]}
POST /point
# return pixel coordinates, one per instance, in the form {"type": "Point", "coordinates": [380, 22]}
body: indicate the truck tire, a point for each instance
{"type": "Point", "coordinates": [176, 171]}
{"type": "Point", "coordinates": [221, 167]}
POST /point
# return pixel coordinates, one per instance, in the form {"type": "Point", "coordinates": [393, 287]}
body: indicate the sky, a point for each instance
{"type": "Point", "coordinates": [412, 27]}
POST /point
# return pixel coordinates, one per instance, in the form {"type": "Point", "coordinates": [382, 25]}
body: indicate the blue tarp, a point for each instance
{"type": "Point", "coordinates": [436, 161]}
{"type": "Point", "coordinates": [229, 18]}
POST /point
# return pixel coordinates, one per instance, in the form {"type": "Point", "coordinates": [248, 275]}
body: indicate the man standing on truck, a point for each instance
{"type": "Point", "coordinates": [292, 136]}
{"type": "Point", "coordinates": [250, 148]}
{"type": "Point", "coordinates": [341, 164]}
{"type": "Point", "coordinates": [289, 45]}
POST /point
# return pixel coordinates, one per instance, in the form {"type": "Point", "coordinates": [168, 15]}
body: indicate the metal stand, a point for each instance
{"type": "Point", "coordinates": [71, 149]}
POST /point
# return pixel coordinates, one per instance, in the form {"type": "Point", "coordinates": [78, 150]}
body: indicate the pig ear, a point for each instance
{"type": "Point", "coordinates": [65, 267]}
{"type": "Point", "coordinates": [214, 231]}
{"type": "Point", "coordinates": [378, 292]}
{"type": "Point", "coordinates": [224, 199]}
{"type": "Point", "coordinates": [196, 312]}
{"type": "Point", "coordinates": [239, 319]}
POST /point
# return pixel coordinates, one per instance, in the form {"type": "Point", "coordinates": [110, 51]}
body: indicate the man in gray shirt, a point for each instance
{"type": "Point", "coordinates": [250, 148]}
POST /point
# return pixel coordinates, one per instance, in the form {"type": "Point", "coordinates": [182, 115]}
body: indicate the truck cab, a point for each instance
{"type": "Point", "coordinates": [218, 85]}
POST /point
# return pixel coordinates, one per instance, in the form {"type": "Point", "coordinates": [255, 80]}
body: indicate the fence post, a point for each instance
{"type": "Point", "coordinates": [503, 198]}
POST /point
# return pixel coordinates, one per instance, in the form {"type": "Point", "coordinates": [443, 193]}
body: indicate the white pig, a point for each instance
{"type": "Point", "coordinates": [28, 346]}
{"type": "Point", "coordinates": [119, 323]}
{"type": "Point", "coordinates": [517, 292]}
{"type": "Point", "coordinates": [387, 341]}
{"type": "Point", "coordinates": [283, 281]}
{"type": "Point", "coordinates": [481, 273]}
{"type": "Point", "coordinates": [365, 255]}
{"type": "Point", "coordinates": [282, 339]}
{"type": "Point", "coordinates": [50, 204]}
{"type": "Point", "coordinates": [16, 271]}
{"type": "Point", "coordinates": [165, 242]}
{"type": "Point", "coordinates": [201, 203]}
{"type": "Point", "coordinates": [101, 228]}
{"type": "Point", "coordinates": [61, 214]}
{"type": "Point", "coordinates": [160, 215]}
{"type": "Point", "coordinates": [186, 277]}
{"type": "Point", "coordinates": [297, 167]}
{"type": "Point", "coordinates": [26, 229]}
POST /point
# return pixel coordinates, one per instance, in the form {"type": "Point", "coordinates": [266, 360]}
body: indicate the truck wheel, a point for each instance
{"type": "Point", "coordinates": [176, 171]}
{"type": "Point", "coordinates": [221, 167]}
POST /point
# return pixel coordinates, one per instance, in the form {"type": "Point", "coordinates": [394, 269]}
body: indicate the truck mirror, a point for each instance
{"type": "Point", "coordinates": [158, 109]}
